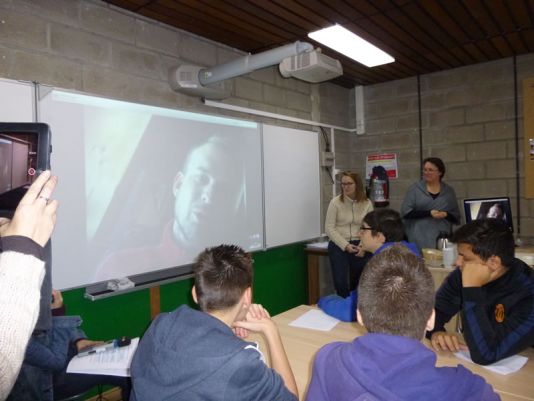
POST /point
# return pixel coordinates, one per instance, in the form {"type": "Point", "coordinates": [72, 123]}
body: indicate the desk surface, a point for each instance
{"type": "Point", "coordinates": [302, 344]}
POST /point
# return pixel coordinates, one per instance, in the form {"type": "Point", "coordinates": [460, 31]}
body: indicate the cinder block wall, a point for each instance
{"type": "Point", "coordinates": [468, 120]}
{"type": "Point", "coordinates": [90, 46]}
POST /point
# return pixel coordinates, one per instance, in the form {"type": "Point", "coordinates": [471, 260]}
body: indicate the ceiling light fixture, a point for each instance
{"type": "Point", "coordinates": [351, 45]}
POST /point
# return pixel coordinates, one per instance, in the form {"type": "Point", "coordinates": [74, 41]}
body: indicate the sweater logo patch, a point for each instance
{"type": "Point", "coordinates": [499, 313]}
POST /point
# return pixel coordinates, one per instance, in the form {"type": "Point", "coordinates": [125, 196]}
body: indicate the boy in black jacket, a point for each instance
{"type": "Point", "coordinates": [494, 292]}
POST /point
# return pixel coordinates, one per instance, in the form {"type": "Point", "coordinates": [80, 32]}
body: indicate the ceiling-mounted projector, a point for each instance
{"type": "Point", "coordinates": [312, 66]}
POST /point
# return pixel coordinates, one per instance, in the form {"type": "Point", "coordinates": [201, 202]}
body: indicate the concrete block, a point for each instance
{"type": "Point", "coordinates": [155, 37]}
{"type": "Point", "coordinates": [466, 170]}
{"type": "Point", "coordinates": [46, 69]}
{"type": "Point", "coordinates": [298, 101]}
{"type": "Point", "coordinates": [486, 150]}
{"type": "Point", "coordinates": [364, 142]}
{"type": "Point", "coordinates": [500, 168]}
{"type": "Point", "coordinates": [399, 105]}
{"type": "Point", "coordinates": [434, 136]}
{"type": "Point", "coordinates": [248, 89]}
{"type": "Point", "coordinates": [108, 22]}
{"type": "Point", "coordinates": [63, 11]}
{"type": "Point", "coordinates": [24, 31]}
{"type": "Point", "coordinates": [434, 101]}
{"type": "Point", "coordinates": [408, 156]}
{"type": "Point", "coordinates": [407, 86]}
{"type": "Point", "coordinates": [6, 61]}
{"type": "Point", "coordinates": [266, 75]}
{"type": "Point", "coordinates": [446, 79]}
{"type": "Point", "coordinates": [512, 152]}
{"type": "Point", "coordinates": [464, 134]}
{"type": "Point", "coordinates": [527, 227]}
{"type": "Point", "coordinates": [342, 140]}
{"type": "Point", "coordinates": [460, 188]}
{"type": "Point", "coordinates": [226, 54]}
{"type": "Point", "coordinates": [381, 126]}
{"type": "Point", "coordinates": [489, 112]}
{"type": "Point", "coordinates": [380, 91]}
{"type": "Point", "coordinates": [119, 85]}
{"type": "Point", "coordinates": [302, 86]}
{"type": "Point", "coordinates": [408, 121]}
{"type": "Point", "coordinates": [459, 96]}
{"type": "Point", "coordinates": [493, 71]}
{"type": "Point", "coordinates": [274, 95]}
{"type": "Point", "coordinates": [451, 153]}
{"type": "Point", "coordinates": [76, 44]}
{"type": "Point", "coordinates": [400, 140]}
{"type": "Point", "coordinates": [447, 118]}
{"type": "Point", "coordinates": [499, 130]}
{"type": "Point", "coordinates": [497, 92]}
{"type": "Point", "coordinates": [198, 51]}
{"type": "Point", "coordinates": [485, 188]}
{"type": "Point", "coordinates": [135, 61]}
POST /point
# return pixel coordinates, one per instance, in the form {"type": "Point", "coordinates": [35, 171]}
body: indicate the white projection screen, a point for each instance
{"type": "Point", "coordinates": [292, 185]}
{"type": "Point", "coordinates": [143, 188]}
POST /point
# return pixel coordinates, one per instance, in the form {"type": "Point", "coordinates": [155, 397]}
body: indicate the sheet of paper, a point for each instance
{"type": "Point", "coordinates": [115, 362]}
{"type": "Point", "coordinates": [316, 320]}
{"type": "Point", "coordinates": [318, 245]}
{"type": "Point", "coordinates": [504, 366]}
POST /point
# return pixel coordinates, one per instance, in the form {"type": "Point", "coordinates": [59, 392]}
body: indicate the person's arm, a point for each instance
{"type": "Point", "coordinates": [417, 214]}
{"type": "Point", "coordinates": [258, 320]}
{"type": "Point", "coordinates": [448, 304]}
{"type": "Point", "coordinates": [22, 272]}
{"type": "Point", "coordinates": [330, 226]}
{"type": "Point", "coordinates": [341, 308]}
{"type": "Point", "coordinates": [492, 336]}
{"type": "Point", "coordinates": [21, 276]}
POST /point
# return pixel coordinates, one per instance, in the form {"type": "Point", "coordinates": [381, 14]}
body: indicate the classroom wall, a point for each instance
{"type": "Point", "coordinates": [467, 119]}
{"type": "Point", "coordinates": [93, 47]}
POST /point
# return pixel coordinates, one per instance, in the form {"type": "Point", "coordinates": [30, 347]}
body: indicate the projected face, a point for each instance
{"type": "Point", "coordinates": [495, 212]}
{"type": "Point", "coordinates": [208, 193]}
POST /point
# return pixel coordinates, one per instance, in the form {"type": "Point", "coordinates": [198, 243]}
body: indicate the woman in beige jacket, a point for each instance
{"type": "Point", "coordinates": [343, 220]}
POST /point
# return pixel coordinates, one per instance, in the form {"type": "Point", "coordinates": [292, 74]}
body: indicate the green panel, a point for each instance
{"type": "Point", "coordinates": [123, 315]}
{"type": "Point", "coordinates": [280, 278]}
{"type": "Point", "coordinates": [280, 283]}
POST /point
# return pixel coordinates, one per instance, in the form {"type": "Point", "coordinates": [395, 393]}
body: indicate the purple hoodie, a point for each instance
{"type": "Point", "coordinates": [390, 368]}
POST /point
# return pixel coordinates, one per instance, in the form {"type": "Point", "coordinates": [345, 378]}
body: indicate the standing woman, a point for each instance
{"type": "Point", "coordinates": [430, 206]}
{"type": "Point", "coordinates": [343, 219]}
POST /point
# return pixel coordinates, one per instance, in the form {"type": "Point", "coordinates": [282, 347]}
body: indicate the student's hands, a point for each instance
{"type": "Point", "coordinates": [438, 214]}
{"type": "Point", "coordinates": [84, 343]}
{"type": "Point", "coordinates": [256, 320]}
{"type": "Point", "coordinates": [443, 341]}
{"type": "Point", "coordinates": [476, 274]}
{"type": "Point", "coordinates": [35, 216]}
{"type": "Point", "coordinates": [351, 248]}
{"type": "Point", "coordinates": [57, 299]}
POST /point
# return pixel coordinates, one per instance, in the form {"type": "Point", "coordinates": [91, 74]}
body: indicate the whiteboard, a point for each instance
{"type": "Point", "coordinates": [16, 101]}
{"type": "Point", "coordinates": [292, 185]}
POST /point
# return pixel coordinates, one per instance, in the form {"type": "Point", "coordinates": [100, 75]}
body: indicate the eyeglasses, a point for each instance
{"type": "Point", "coordinates": [430, 170]}
{"type": "Point", "coordinates": [362, 228]}
{"type": "Point", "coordinates": [347, 184]}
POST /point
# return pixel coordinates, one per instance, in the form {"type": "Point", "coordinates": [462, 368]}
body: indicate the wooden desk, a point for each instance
{"type": "Point", "coordinates": [314, 255]}
{"type": "Point", "coordinates": [302, 344]}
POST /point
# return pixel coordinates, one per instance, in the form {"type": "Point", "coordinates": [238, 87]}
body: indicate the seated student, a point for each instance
{"type": "Point", "coordinates": [493, 290]}
{"type": "Point", "coordinates": [198, 355]}
{"type": "Point", "coordinates": [380, 229]}
{"type": "Point", "coordinates": [43, 375]}
{"type": "Point", "coordinates": [22, 242]}
{"type": "Point", "coordinates": [395, 304]}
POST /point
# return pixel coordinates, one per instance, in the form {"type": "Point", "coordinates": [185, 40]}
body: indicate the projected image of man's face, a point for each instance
{"type": "Point", "coordinates": [207, 193]}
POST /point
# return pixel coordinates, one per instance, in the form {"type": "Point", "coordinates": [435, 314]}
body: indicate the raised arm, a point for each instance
{"type": "Point", "coordinates": [258, 320]}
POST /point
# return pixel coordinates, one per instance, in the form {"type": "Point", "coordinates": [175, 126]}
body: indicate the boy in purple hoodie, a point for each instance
{"type": "Point", "coordinates": [396, 305]}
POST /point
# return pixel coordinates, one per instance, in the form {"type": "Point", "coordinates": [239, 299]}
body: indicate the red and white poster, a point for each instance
{"type": "Point", "coordinates": [386, 160]}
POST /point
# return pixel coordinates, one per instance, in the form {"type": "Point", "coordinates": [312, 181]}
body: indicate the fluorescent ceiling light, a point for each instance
{"type": "Point", "coordinates": [351, 45]}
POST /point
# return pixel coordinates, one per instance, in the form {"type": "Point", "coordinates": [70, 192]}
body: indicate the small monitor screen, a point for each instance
{"type": "Point", "coordinates": [489, 208]}
{"type": "Point", "coordinates": [24, 153]}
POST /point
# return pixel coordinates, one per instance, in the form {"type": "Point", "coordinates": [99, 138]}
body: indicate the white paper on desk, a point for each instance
{"type": "Point", "coordinates": [503, 367]}
{"type": "Point", "coordinates": [318, 245]}
{"type": "Point", "coordinates": [316, 320]}
{"type": "Point", "coordinates": [115, 362]}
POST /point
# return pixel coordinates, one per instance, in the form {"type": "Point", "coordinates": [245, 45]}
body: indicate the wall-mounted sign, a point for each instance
{"type": "Point", "coordinates": [386, 160]}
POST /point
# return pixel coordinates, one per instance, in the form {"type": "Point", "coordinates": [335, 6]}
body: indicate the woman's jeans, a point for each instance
{"type": "Point", "coordinates": [346, 268]}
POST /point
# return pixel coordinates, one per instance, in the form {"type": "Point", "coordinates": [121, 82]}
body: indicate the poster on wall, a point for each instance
{"type": "Point", "coordinates": [386, 160]}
